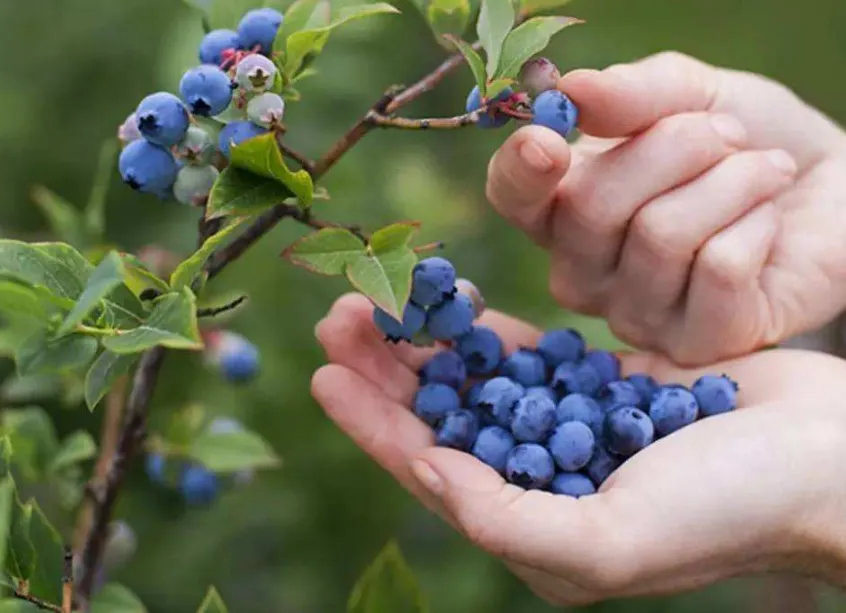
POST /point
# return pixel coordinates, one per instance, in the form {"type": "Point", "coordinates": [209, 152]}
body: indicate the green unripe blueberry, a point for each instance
{"type": "Point", "coordinates": [266, 110]}
{"type": "Point", "coordinates": [255, 73]}
{"type": "Point", "coordinates": [194, 184]}
{"type": "Point", "coordinates": [196, 148]}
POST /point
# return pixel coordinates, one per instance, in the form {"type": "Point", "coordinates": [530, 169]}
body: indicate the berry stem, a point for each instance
{"type": "Point", "coordinates": [437, 123]}
{"type": "Point", "coordinates": [214, 311]}
{"type": "Point", "coordinates": [298, 157]}
{"type": "Point", "coordinates": [41, 604]}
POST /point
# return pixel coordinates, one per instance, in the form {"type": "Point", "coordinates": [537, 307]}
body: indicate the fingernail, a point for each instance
{"type": "Point", "coordinates": [534, 155]}
{"type": "Point", "coordinates": [782, 160]}
{"type": "Point", "coordinates": [427, 476]}
{"type": "Point", "coordinates": [729, 128]}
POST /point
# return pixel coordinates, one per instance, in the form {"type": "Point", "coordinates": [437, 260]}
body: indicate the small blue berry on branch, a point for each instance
{"type": "Point", "coordinates": [451, 319]}
{"type": "Point", "coordinates": [553, 110]}
{"type": "Point", "coordinates": [199, 486]}
{"type": "Point", "coordinates": [147, 168]}
{"type": "Point", "coordinates": [162, 119]}
{"type": "Point", "coordinates": [258, 28]}
{"type": "Point", "coordinates": [235, 133]}
{"type": "Point", "coordinates": [434, 279]}
{"type": "Point", "coordinates": [215, 43]}
{"type": "Point", "coordinates": [154, 466]}
{"type": "Point", "coordinates": [207, 90]}
{"type": "Point", "coordinates": [492, 118]}
{"type": "Point", "coordinates": [414, 318]}
{"type": "Point", "coordinates": [237, 358]}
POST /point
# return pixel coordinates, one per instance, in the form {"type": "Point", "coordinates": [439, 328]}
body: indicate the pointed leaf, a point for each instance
{"type": "Point", "coordinates": [63, 218]}
{"type": "Point", "coordinates": [495, 22]}
{"type": "Point", "coordinates": [7, 499]}
{"type": "Point", "coordinates": [528, 39]}
{"type": "Point", "coordinates": [32, 436]}
{"type": "Point", "coordinates": [474, 60]}
{"type": "Point", "coordinates": [106, 277]}
{"type": "Point", "coordinates": [384, 278]}
{"type": "Point", "coordinates": [296, 19]}
{"type": "Point", "coordinates": [239, 192]}
{"type": "Point", "coordinates": [185, 273]}
{"type": "Point", "coordinates": [172, 323]}
{"type": "Point", "coordinates": [20, 556]}
{"type": "Point", "coordinates": [103, 374]}
{"type": "Point", "coordinates": [76, 448]}
{"type": "Point", "coordinates": [115, 598]}
{"type": "Point", "coordinates": [46, 581]}
{"type": "Point", "coordinates": [497, 86]}
{"type": "Point", "coordinates": [233, 452]}
{"type": "Point", "coordinates": [24, 315]}
{"type": "Point", "coordinates": [261, 155]}
{"type": "Point", "coordinates": [212, 603]}
{"type": "Point", "coordinates": [41, 355]}
{"type": "Point", "coordinates": [326, 251]}
{"type": "Point", "coordinates": [95, 211]}
{"type": "Point", "coordinates": [394, 236]}
{"type": "Point", "coordinates": [387, 586]}
{"type": "Point", "coordinates": [55, 266]}
{"type": "Point", "coordinates": [138, 278]}
{"type": "Point", "coordinates": [531, 7]}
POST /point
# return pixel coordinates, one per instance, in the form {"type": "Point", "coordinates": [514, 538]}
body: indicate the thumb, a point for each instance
{"type": "Point", "coordinates": [628, 98]}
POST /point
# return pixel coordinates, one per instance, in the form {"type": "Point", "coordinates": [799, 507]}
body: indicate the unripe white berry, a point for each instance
{"type": "Point", "coordinates": [266, 110]}
{"type": "Point", "coordinates": [194, 184]}
{"type": "Point", "coordinates": [255, 73]}
{"type": "Point", "coordinates": [539, 75]}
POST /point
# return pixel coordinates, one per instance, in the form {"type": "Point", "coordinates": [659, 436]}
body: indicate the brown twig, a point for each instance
{"type": "Point", "coordinates": [438, 123]}
{"type": "Point", "coordinates": [298, 157]}
{"type": "Point", "coordinates": [67, 582]}
{"type": "Point", "coordinates": [22, 594]}
{"type": "Point", "coordinates": [214, 311]}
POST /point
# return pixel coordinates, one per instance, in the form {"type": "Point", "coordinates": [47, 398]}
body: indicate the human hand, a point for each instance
{"type": "Point", "coordinates": [754, 490]}
{"type": "Point", "coordinates": [704, 216]}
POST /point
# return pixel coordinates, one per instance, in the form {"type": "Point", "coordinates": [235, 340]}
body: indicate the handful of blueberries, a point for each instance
{"type": "Point", "coordinates": [558, 416]}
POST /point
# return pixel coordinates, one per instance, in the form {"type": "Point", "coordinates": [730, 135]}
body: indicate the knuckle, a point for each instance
{"type": "Point", "coordinates": [724, 268]}
{"type": "Point", "coordinates": [595, 204]}
{"type": "Point", "coordinates": [675, 58]}
{"type": "Point", "coordinates": [692, 136]}
{"type": "Point", "coordinates": [658, 234]}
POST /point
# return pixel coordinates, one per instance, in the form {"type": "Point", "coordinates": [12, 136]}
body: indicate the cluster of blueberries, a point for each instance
{"type": "Point", "coordinates": [558, 416]}
{"type": "Point", "coordinates": [166, 150]}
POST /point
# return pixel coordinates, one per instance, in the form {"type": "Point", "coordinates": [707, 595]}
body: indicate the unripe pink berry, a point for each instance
{"type": "Point", "coordinates": [539, 75]}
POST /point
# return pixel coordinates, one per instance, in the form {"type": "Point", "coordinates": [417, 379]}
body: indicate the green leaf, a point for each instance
{"type": "Point", "coordinates": [76, 448]}
{"type": "Point", "coordinates": [115, 598]}
{"type": "Point", "coordinates": [185, 273]}
{"type": "Point", "coordinates": [528, 39]}
{"type": "Point", "coordinates": [212, 603]}
{"type": "Point", "coordinates": [24, 315]}
{"type": "Point", "coordinates": [30, 433]}
{"type": "Point", "coordinates": [138, 278]}
{"type": "Point", "coordinates": [41, 355]}
{"type": "Point", "coordinates": [95, 210]}
{"type": "Point", "coordinates": [63, 218]}
{"type": "Point", "coordinates": [7, 499]}
{"type": "Point", "coordinates": [474, 60]}
{"type": "Point", "coordinates": [16, 605]}
{"type": "Point", "coordinates": [238, 192]}
{"type": "Point", "coordinates": [448, 16]}
{"type": "Point", "coordinates": [296, 19]}
{"type": "Point", "coordinates": [20, 556]}
{"type": "Point", "coordinates": [384, 278]}
{"type": "Point", "coordinates": [495, 22]}
{"type": "Point", "coordinates": [497, 86]}
{"type": "Point", "coordinates": [327, 251]}
{"type": "Point", "coordinates": [261, 155]}
{"type": "Point", "coordinates": [105, 278]}
{"type": "Point", "coordinates": [172, 323]}
{"type": "Point", "coordinates": [104, 372]}
{"type": "Point", "coordinates": [387, 586]}
{"type": "Point", "coordinates": [46, 581]}
{"type": "Point", "coordinates": [227, 13]}
{"type": "Point", "coordinates": [233, 452]}
{"type": "Point", "coordinates": [392, 237]}
{"type": "Point", "coordinates": [55, 266]}
{"type": "Point", "coordinates": [531, 7]}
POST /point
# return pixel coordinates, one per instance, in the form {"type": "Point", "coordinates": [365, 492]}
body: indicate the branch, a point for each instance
{"type": "Point", "coordinates": [41, 604]}
{"type": "Point", "coordinates": [438, 123]}
{"type": "Point", "coordinates": [214, 311]}
{"type": "Point", "coordinates": [298, 157]}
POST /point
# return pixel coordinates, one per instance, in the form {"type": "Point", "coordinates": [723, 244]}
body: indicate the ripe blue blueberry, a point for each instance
{"type": "Point", "coordinates": [533, 419]}
{"type": "Point", "coordinates": [162, 119]}
{"type": "Point", "coordinates": [199, 485]}
{"type": "Point", "coordinates": [154, 465]}
{"type": "Point", "coordinates": [559, 346]}
{"type": "Point", "coordinates": [497, 399]}
{"type": "Point", "coordinates": [458, 430]}
{"type": "Point", "coordinates": [572, 445]}
{"type": "Point", "coordinates": [530, 466]}
{"type": "Point", "coordinates": [542, 390]}
{"type": "Point", "coordinates": [434, 279]}
{"type": "Point", "coordinates": [715, 394]}
{"type": "Point", "coordinates": [606, 364]}
{"type": "Point", "coordinates": [469, 289]}
{"type": "Point", "coordinates": [255, 74]}
{"type": "Point", "coordinates": [581, 408]}
{"type": "Point", "coordinates": [258, 28]}
{"type": "Point", "coordinates": [472, 395]}
{"type": "Point", "coordinates": [672, 407]}
{"type": "Point", "coordinates": [646, 386]}
{"type": "Point", "coordinates": [526, 367]}
{"type": "Point", "coordinates": [196, 148]}
{"type": "Point", "coordinates": [574, 485]}
{"type": "Point", "coordinates": [445, 367]}
{"type": "Point", "coordinates": [488, 120]}
{"type": "Point", "coordinates": [266, 110]}
{"type": "Point", "coordinates": [206, 89]}
{"type": "Point", "coordinates": [618, 393]}
{"type": "Point", "coordinates": [553, 110]}
{"type": "Point", "coordinates": [413, 320]}
{"type": "Point", "coordinates": [235, 133]}
{"type": "Point", "coordinates": [601, 465]}
{"type": "Point", "coordinates": [450, 319]}
{"type": "Point", "coordinates": [492, 447]}
{"type": "Point", "coordinates": [433, 401]}
{"type": "Point", "coordinates": [215, 43]}
{"type": "Point", "coordinates": [576, 378]}
{"type": "Point", "coordinates": [194, 184]}
{"type": "Point", "coordinates": [481, 349]}
{"type": "Point", "coordinates": [628, 430]}
{"type": "Point", "coordinates": [236, 357]}
{"type": "Point", "coordinates": [147, 168]}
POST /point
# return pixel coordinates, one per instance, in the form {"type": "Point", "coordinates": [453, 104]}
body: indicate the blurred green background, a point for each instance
{"type": "Point", "coordinates": [295, 540]}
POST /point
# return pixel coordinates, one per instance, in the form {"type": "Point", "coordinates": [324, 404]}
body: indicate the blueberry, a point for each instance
{"type": "Point", "coordinates": [196, 148]}
{"type": "Point", "coordinates": [542, 390]}
{"type": "Point", "coordinates": [574, 485]}
{"type": "Point", "coordinates": [259, 27]}
{"type": "Point", "coordinates": [715, 394]}
{"type": "Point", "coordinates": [533, 419]}
{"type": "Point", "coordinates": [162, 119]}
{"type": "Point", "coordinates": [471, 396]}
{"type": "Point", "coordinates": [451, 319]}
{"type": "Point", "coordinates": [581, 408]}
{"type": "Point", "coordinates": [255, 74]}
{"type": "Point", "coordinates": [488, 120]}
{"type": "Point", "coordinates": [413, 320]}
{"type": "Point", "coordinates": [154, 465]}
{"type": "Point", "coordinates": [578, 378]}
{"type": "Point", "coordinates": [235, 133]}
{"type": "Point", "coordinates": [628, 430]}
{"type": "Point", "coordinates": [492, 447]}
{"type": "Point", "coordinates": [206, 89]}
{"type": "Point", "coordinates": [434, 278]}
{"type": "Point", "coordinates": [558, 346]}
{"type": "Point", "coordinates": [433, 401]}
{"type": "Point", "coordinates": [646, 386]}
{"type": "Point", "coordinates": [618, 393]}
{"type": "Point", "coordinates": [601, 465]}
{"type": "Point", "coordinates": [553, 110]}
{"type": "Point", "coordinates": [128, 130]}
{"type": "Point", "coordinates": [445, 367]}
{"type": "Point", "coordinates": [526, 367]}
{"type": "Point", "coordinates": [147, 168]}
{"type": "Point", "coordinates": [673, 407]}
{"type": "Point", "coordinates": [481, 349]}
{"type": "Point", "coordinates": [498, 397]}
{"type": "Point", "coordinates": [458, 430]}
{"type": "Point", "coordinates": [266, 110]}
{"type": "Point", "coordinates": [529, 466]}
{"type": "Point", "coordinates": [606, 364]}
{"type": "Point", "coordinates": [539, 75]}
{"type": "Point", "coordinates": [199, 485]}
{"type": "Point", "coordinates": [469, 289]}
{"type": "Point", "coordinates": [215, 43]}
{"type": "Point", "coordinates": [571, 445]}
{"type": "Point", "coordinates": [194, 184]}
{"type": "Point", "coordinates": [237, 358]}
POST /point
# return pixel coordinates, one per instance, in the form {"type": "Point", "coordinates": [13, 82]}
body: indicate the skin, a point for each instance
{"type": "Point", "coordinates": [756, 490]}
{"type": "Point", "coordinates": [704, 214]}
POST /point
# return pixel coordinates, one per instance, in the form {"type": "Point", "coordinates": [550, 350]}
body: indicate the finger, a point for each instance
{"type": "Point", "coordinates": [665, 235]}
{"type": "Point", "coordinates": [600, 196]}
{"type": "Point", "coordinates": [626, 99]}
{"type": "Point", "coordinates": [523, 176]}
